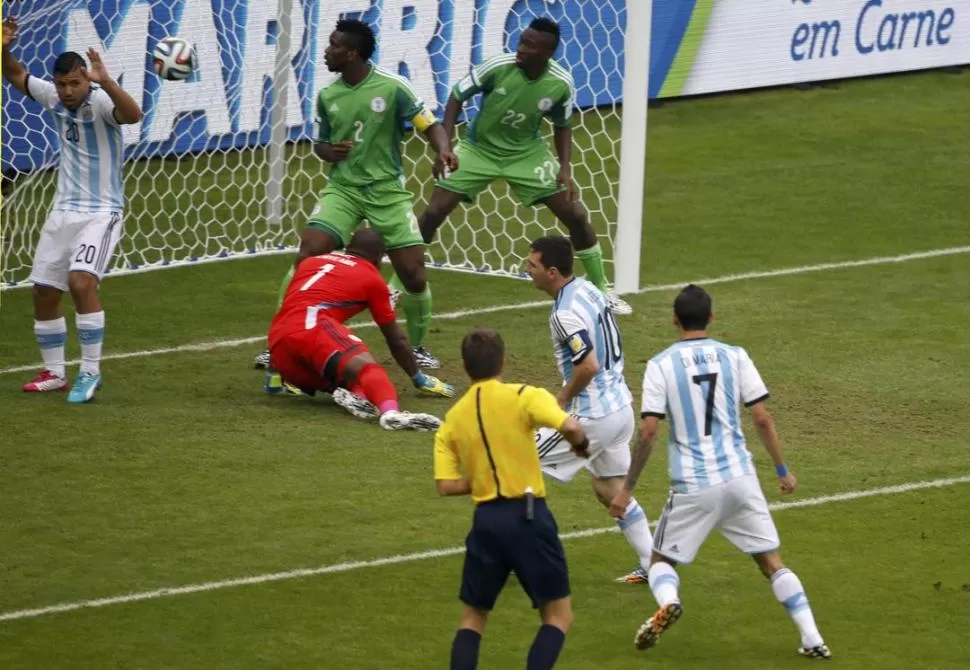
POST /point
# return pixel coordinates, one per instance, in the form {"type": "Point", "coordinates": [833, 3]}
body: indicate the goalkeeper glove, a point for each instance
{"type": "Point", "coordinates": [432, 385]}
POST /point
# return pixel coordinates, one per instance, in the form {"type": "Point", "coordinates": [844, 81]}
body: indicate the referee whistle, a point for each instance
{"type": "Point", "coordinates": [530, 504]}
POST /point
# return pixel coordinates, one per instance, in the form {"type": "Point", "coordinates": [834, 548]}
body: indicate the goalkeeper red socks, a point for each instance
{"type": "Point", "coordinates": [378, 388]}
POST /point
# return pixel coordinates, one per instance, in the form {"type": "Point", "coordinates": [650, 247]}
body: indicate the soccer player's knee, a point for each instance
{"type": "Point", "coordinates": [414, 281]}
{"type": "Point", "coordinates": [436, 213]}
{"type": "Point", "coordinates": [82, 283]}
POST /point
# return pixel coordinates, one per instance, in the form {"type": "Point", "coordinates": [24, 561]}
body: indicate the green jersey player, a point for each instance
{"type": "Point", "coordinates": [504, 142]}
{"type": "Point", "coordinates": [362, 118]}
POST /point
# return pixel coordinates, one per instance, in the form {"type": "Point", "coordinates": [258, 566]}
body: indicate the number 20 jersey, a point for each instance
{"type": "Point", "coordinates": [580, 324]}
{"type": "Point", "coordinates": [700, 385]}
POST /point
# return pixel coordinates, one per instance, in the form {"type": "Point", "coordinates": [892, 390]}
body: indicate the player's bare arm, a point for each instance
{"type": "Point", "coordinates": [583, 373]}
{"type": "Point", "coordinates": [333, 153]}
{"type": "Point", "coordinates": [452, 110]}
{"type": "Point", "coordinates": [444, 156]}
{"type": "Point", "coordinates": [764, 423]}
{"type": "Point", "coordinates": [643, 447]}
{"type": "Point", "coordinates": [126, 109]}
{"type": "Point", "coordinates": [563, 137]}
{"type": "Point", "coordinates": [397, 343]}
{"type": "Point", "coordinates": [13, 70]}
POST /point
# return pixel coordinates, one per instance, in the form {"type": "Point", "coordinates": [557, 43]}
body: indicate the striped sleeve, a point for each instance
{"type": "Point", "coordinates": [561, 112]}
{"type": "Point", "coordinates": [479, 79]}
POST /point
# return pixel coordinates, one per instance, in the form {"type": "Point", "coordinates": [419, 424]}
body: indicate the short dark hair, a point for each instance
{"type": "Point", "coordinates": [368, 244]}
{"type": "Point", "coordinates": [555, 251]}
{"type": "Point", "coordinates": [544, 24]}
{"type": "Point", "coordinates": [692, 306]}
{"type": "Point", "coordinates": [483, 353]}
{"type": "Point", "coordinates": [68, 62]}
{"type": "Point", "coordinates": [364, 41]}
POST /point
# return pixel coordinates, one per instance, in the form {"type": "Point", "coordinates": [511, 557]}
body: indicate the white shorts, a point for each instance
{"type": "Point", "coordinates": [74, 242]}
{"type": "Point", "coordinates": [736, 508]}
{"type": "Point", "coordinates": [609, 447]}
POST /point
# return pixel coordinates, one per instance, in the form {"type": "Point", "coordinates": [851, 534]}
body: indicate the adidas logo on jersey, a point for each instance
{"type": "Point", "coordinates": [334, 108]}
{"type": "Point", "coordinates": [674, 550]}
{"type": "Point", "coordinates": [500, 90]}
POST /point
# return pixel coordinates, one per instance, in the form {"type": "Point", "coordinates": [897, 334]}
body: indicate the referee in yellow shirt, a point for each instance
{"type": "Point", "coordinates": [486, 447]}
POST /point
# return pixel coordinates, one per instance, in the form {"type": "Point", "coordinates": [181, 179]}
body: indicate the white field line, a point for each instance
{"type": "Point", "coordinates": [781, 272]}
{"type": "Point", "coordinates": [424, 555]}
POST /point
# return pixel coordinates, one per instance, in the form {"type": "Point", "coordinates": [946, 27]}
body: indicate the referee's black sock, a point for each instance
{"type": "Point", "coordinates": [546, 647]}
{"type": "Point", "coordinates": [464, 650]}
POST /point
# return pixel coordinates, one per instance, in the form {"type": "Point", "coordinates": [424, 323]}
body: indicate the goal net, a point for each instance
{"type": "Point", "coordinates": [222, 165]}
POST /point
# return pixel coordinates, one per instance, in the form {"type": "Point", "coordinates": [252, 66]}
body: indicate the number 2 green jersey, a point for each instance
{"type": "Point", "coordinates": [510, 119]}
{"type": "Point", "coordinates": [372, 115]}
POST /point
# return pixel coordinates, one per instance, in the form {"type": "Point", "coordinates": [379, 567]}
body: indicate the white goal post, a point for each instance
{"type": "Point", "coordinates": [221, 167]}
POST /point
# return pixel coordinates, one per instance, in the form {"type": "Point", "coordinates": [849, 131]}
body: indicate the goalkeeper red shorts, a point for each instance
{"type": "Point", "coordinates": [313, 359]}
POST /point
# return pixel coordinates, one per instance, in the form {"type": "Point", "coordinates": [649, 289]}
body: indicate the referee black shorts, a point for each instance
{"type": "Point", "coordinates": [503, 540]}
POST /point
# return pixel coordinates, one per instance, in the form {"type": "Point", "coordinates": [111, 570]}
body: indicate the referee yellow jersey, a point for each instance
{"type": "Point", "coordinates": [489, 437]}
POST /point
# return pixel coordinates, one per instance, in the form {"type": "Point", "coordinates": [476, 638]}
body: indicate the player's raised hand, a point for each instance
{"type": "Point", "coordinates": [9, 31]}
{"type": "Point", "coordinates": [444, 163]}
{"type": "Point", "coordinates": [788, 483]}
{"type": "Point", "coordinates": [97, 73]}
{"type": "Point", "coordinates": [565, 178]}
{"type": "Point", "coordinates": [433, 386]}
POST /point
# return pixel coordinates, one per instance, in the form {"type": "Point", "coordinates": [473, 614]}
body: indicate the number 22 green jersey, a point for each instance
{"type": "Point", "coordinates": [372, 115]}
{"type": "Point", "coordinates": [513, 106]}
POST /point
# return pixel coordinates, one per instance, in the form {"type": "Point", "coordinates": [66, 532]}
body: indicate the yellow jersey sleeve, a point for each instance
{"type": "Point", "coordinates": [446, 462]}
{"type": "Point", "coordinates": [541, 408]}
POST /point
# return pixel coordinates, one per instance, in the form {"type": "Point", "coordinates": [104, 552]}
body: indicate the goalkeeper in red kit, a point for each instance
{"type": "Point", "coordinates": [312, 349]}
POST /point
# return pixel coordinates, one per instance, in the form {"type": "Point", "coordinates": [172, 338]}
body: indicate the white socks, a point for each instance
{"type": "Point", "coordinates": [636, 530]}
{"type": "Point", "coordinates": [90, 331]}
{"type": "Point", "coordinates": [664, 583]}
{"type": "Point", "coordinates": [789, 592]}
{"type": "Point", "coordinates": [51, 337]}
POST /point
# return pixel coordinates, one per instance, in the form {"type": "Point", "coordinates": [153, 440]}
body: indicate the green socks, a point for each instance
{"type": "Point", "coordinates": [592, 260]}
{"type": "Point", "coordinates": [417, 311]}
{"type": "Point", "coordinates": [285, 285]}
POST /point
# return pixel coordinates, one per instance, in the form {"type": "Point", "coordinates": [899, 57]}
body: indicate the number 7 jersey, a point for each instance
{"type": "Point", "coordinates": [700, 385]}
{"type": "Point", "coordinates": [582, 324]}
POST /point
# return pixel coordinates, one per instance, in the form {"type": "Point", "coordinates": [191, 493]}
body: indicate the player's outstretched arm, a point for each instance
{"type": "Point", "coordinates": [445, 159]}
{"type": "Point", "coordinates": [13, 70]}
{"type": "Point", "coordinates": [764, 423]}
{"type": "Point", "coordinates": [401, 350]}
{"type": "Point", "coordinates": [126, 109]}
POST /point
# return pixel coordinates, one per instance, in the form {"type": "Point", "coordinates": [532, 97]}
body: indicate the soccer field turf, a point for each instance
{"type": "Point", "coordinates": [183, 472]}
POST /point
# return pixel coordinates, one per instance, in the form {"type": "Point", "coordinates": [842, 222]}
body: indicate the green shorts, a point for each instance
{"type": "Point", "coordinates": [386, 205]}
{"type": "Point", "coordinates": [531, 175]}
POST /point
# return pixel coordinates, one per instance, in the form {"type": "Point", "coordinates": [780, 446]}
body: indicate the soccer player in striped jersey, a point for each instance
{"type": "Point", "coordinates": [504, 141]}
{"type": "Point", "coordinates": [84, 224]}
{"type": "Point", "coordinates": [589, 354]}
{"type": "Point", "coordinates": [362, 119]}
{"type": "Point", "coordinates": [700, 383]}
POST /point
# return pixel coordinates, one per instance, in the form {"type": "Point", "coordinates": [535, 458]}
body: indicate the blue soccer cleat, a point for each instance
{"type": "Point", "coordinates": [84, 387]}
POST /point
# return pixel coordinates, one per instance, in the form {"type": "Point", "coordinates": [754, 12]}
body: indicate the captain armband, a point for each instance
{"type": "Point", "coordinates": [424, 119]}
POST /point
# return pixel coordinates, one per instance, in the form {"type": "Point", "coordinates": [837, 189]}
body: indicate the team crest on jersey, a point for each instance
{"type": "Point", "coordinates": [545, 104]}
{"type": "Point", "coordinates": [86, 114]}
{"type": "Point", "coordinates": [378, 104]}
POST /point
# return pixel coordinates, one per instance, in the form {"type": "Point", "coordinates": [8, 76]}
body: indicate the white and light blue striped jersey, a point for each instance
{"type": "Point", "coordinates": [581, 323]}
{"type": "Point", "coordinates": [700, 385]}
{"type": "Point", "coordinates": [92, 150]}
